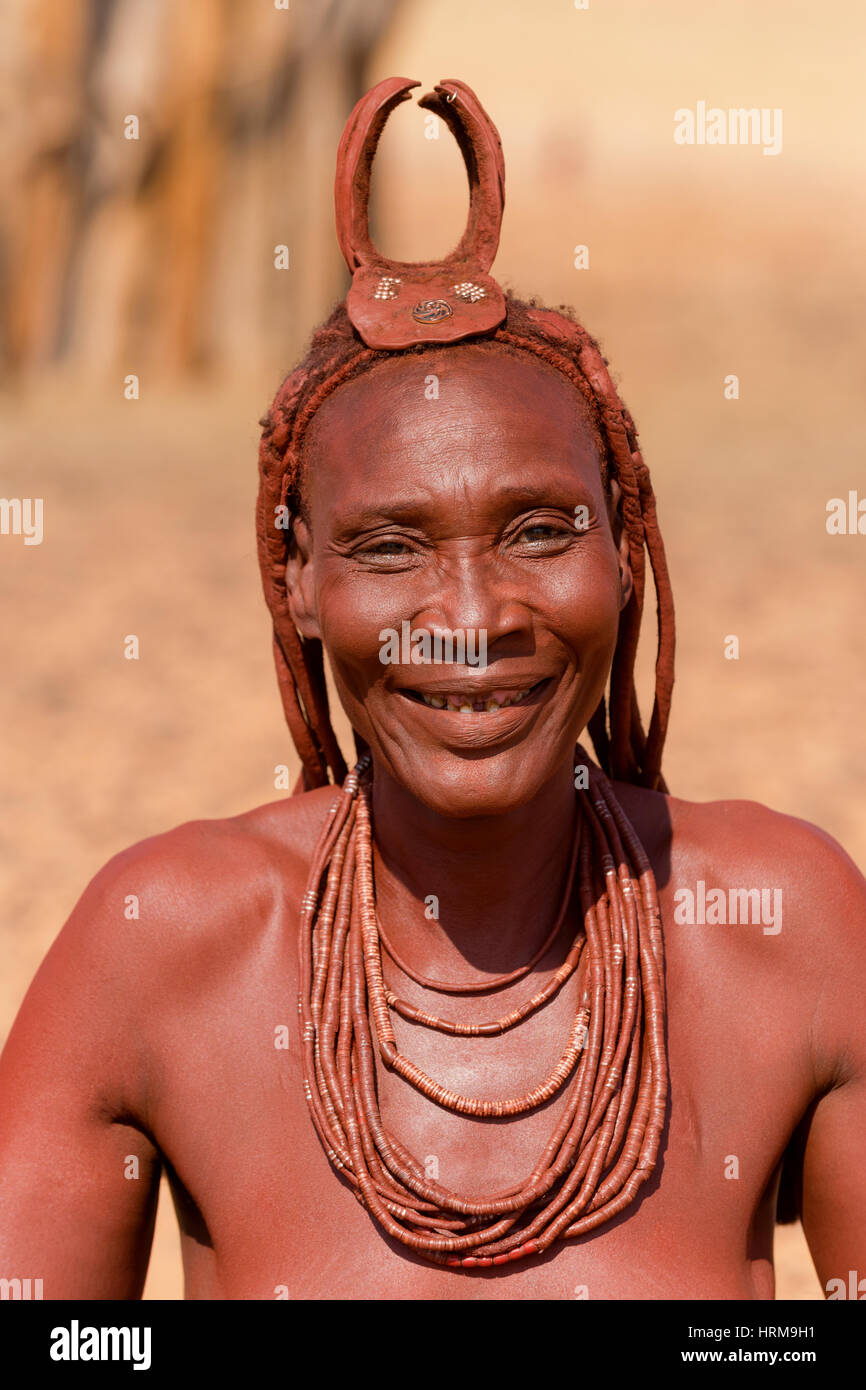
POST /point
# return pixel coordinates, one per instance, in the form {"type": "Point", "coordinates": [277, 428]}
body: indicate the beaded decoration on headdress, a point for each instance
{"type": "Point", "coordinates": [605, 1143]}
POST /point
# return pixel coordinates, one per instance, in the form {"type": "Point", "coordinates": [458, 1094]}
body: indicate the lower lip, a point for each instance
{"type": "Point", "coordinates": [480, 728]}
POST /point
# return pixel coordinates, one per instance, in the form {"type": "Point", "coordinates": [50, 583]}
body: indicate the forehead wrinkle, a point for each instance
{"type": "Point", "coordinates": [449, 437]}
{"type": "Point", "coordinates": [384, 416]}
{"type": "Point", "coordinates": [465, 381]}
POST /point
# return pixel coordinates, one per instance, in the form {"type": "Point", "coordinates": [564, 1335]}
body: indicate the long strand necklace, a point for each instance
{"type": "Point", "coordinates": [506, 1021]}
{"type": "Point", "coordinates": [604, 1145]}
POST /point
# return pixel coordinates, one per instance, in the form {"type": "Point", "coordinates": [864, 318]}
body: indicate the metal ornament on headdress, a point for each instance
{"type": "Point", "coordinates": [396, 304]}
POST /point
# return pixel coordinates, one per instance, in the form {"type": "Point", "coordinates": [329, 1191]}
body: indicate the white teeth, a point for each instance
{"type": "Point", "coordinates": [466, 709]}
{"type": "Point", "coordinates": [492, 707]}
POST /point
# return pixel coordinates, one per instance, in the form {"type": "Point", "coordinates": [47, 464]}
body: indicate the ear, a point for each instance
{"type": "Point", "coordinates": [620, 540]}
{"type": "Point", "coordinates": [300, 583]}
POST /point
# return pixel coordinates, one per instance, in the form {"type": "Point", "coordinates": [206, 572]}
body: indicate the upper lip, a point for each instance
{"type": "Point", "coordinates": [472, 688]}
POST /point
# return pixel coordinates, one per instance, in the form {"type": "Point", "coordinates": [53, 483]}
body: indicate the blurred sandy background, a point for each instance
{"type": "Point", "coordinates": [156, 258]}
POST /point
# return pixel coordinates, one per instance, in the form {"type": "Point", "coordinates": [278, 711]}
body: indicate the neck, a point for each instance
{"type": "Point", "coordinates": [496, 881]}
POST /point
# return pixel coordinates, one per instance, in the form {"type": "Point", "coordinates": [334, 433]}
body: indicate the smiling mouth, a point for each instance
{"type": "Point", "coordinates": [462, 702]}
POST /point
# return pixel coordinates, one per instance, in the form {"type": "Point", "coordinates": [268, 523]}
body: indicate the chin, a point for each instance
{"type": "Point", "coordinates": [474, 761]}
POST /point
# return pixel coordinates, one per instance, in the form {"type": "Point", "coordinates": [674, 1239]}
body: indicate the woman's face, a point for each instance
{"type": "Point", "coordinates": [442, 494]}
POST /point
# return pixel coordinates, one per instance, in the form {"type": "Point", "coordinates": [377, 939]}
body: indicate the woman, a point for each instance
{"type": "Point", "coordinates": [540, 1070]}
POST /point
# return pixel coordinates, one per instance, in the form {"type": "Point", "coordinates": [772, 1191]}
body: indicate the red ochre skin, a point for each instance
{"type": "Point", "coordinates": [155, 1037]}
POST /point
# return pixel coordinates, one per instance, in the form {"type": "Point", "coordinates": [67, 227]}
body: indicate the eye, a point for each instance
{"type": "Point", "coordinates": [543, 535]}
{"type": "Point", "coordinates": [540, 531]}
{"type": "Point", "coordinates": [387, 547]}
{"type": "Point", "coordinates": [391, 552]}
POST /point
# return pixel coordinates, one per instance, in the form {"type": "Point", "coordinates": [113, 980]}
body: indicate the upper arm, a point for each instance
{"type": "Point", "coordinates": [832, 1144]}
{"type": "Point", "coordinates": [78, 1175]}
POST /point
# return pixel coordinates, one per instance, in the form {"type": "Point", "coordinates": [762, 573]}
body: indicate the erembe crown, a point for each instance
{"type": "Point", "coordinates": [396, 304]}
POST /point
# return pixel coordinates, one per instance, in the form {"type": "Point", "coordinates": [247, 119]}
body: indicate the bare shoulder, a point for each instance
{"type": "Point", "coordinates": [749, 846]}
{"type": "Point", "coordinates": [175, 912]}
{"type": "Point", "coordinates": [166, 925]}
{"type": "Point", "coordinates": [179, 927]}
{"type": "Point", "coordinates": [207, 884]}
{"type": "Point", "coordinates": [783, 904]}
{"type": "Point", "coordinates": [744, 843]}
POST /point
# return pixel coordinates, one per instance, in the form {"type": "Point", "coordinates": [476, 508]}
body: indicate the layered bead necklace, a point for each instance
{"type": "Point", "coordinates": [605, 1143]}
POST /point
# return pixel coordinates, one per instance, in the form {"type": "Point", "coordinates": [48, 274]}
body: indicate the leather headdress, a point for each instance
{"type": "Point", "coordinates": [395, 304]}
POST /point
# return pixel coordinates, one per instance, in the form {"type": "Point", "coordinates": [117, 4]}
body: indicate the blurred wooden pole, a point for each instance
{"type": "Point", "coordinates": [156, 254]}
{"type": "Point", "coordinates": [40, 175]}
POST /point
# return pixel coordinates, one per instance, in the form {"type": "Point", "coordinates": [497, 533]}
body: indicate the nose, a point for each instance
{"type": "Point", "coordinates": [475, 593]}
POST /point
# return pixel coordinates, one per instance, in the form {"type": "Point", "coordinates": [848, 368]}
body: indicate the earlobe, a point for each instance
{"type": "Point", "coordinates": [625, 575]}
{"type": "Point", "coordinates": [300, 584]}
{"type": "Point", "coordinates": [620, 536]}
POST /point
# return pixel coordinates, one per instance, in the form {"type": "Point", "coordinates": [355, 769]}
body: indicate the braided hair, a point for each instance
{"type": "Point", "coordinates": [337, 355]}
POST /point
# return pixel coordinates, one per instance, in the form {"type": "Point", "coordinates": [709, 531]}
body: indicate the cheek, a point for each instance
{"type": "Point", "coordinates": [580, 602]}
{"type": "Point", "coordinates": [354, 609]}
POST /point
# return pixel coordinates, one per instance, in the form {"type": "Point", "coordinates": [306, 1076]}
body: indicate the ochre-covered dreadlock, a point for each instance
{"type": "Point", "coordinates": [337, 355]}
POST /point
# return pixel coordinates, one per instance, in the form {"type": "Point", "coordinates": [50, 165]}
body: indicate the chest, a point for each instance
{"type": "Point", "coordinates": [267, 1216]}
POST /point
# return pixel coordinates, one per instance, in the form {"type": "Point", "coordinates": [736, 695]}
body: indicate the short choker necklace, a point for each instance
{"type": "Point", "coordinates": [605, 1144]}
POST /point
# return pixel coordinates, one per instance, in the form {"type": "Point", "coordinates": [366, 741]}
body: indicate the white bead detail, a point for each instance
{"type": "Point", "coordinates": [467, 289]}
{"type": "Point", "coordinates": [387, 287]}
